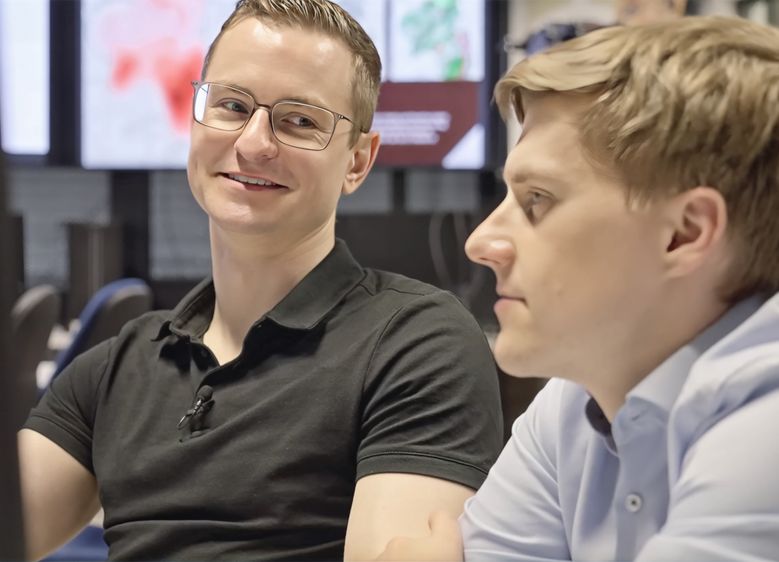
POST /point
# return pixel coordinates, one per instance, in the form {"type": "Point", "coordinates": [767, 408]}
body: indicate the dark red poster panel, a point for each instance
{"type": "Point", "coordinates": [430, 124]}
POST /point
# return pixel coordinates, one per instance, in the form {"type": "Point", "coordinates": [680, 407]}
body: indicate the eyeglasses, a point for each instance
{"type": "Point", "coordinates": [293, 123]}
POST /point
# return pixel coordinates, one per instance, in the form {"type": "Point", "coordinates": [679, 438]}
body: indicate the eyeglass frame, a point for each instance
{"type": "Point", "coordinates": [338, 117]}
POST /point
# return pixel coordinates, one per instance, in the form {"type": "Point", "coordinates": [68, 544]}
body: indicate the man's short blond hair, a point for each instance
{"type": "Point", "coordinates": [329, 18]}
{"type": "Point", "coordinates": [676, 105]}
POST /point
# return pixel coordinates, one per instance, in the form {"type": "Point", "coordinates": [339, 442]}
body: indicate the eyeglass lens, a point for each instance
{"type": "Point", "coordinates": [295, 124]}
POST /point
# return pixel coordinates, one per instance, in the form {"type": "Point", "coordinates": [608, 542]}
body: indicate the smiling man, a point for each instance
{"type": "Point", "coordinates": [296, 405]}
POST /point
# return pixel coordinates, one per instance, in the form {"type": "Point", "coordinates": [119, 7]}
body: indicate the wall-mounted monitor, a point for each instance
{"type": "Point", "coordinates": [433, 105]}
{"type": "Point", "coordinates": [24, 78]}
{"type": "Point", "coordinates": [139, 56]}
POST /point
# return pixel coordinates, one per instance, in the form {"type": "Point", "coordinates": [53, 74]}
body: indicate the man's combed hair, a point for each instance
{"type": "Point", "coordinates": [332, 20]}
{"type": "Point", "coordinates": [676, 105]}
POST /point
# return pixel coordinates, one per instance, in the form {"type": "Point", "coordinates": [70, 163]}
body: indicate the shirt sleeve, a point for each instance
{"type": "Point", "coordinates": [66, 412]}
{"type": "Point", "coordinates": [516, 515]}
{"type": "Point", "coordinates": [725, 505]}
{"type": "Point", "coordinates": [431, 402]}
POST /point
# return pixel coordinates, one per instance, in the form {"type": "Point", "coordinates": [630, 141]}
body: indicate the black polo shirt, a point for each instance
{"type": "Point", "coordinates": [355, 372]}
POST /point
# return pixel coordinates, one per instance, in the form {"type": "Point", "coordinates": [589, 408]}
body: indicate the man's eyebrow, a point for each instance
{"type": "Point", "coordinates": [309, 101]}
{"type": "Point", "coordinates": [233, 85]}
{"type": "Point", "coordinates": [300, 99]}
{"type": "Point", "coordinates": [531, 175]}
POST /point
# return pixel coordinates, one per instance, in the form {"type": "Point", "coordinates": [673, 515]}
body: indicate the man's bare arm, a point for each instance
{"type": "Point", "coordinates": [393, 505]}
{"type": "Point", "coordinates": [59, 495]}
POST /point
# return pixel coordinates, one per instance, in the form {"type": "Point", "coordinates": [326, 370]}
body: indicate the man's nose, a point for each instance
{"type": "Point", "coordinates": [257, 141]}
{"type": "Point", "coordinates": [490, 244]}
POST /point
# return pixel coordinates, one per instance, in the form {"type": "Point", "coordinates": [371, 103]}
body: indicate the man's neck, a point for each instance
{"type": "Point", "coordinates": [665, 333]}
{"type": "Point", "coordinates": [252, 274]}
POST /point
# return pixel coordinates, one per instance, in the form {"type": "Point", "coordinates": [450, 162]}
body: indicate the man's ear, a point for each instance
{"type": "Point", "coordinates": [363, 156]}
{"type": "Point", "coordinates": [698, 220]}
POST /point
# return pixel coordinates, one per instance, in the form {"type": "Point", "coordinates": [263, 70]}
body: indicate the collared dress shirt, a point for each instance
{"type": "Point", "coordinates": [686, 471]}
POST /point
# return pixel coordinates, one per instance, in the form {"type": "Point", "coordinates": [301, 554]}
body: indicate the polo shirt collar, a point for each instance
{"type": "Point", "coordinates": [660, 389]}
{"type": "Point", "coordinates": [192, 314]}
{"type": "Point", "coordinates": [320, 291]}
{"type": "Point", "coordinates": [302, 309]}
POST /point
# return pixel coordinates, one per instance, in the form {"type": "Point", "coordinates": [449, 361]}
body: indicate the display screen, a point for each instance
{"type": "Point", "coordinates": [430, 110]}
{"type": "Point", "coordinates": [139, 57]}
{"type": "Point", "coordinates": [24, 76]}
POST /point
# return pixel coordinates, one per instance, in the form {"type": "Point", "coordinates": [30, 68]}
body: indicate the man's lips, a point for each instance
{"type": "Point", "coordinates": [509, 295]}
{"type": "Point", "coordinates": [508, 301]}
{"type": "Point", "coordinates": [510, 298]}
{"type": "Point", "coordinates": [252, 182]}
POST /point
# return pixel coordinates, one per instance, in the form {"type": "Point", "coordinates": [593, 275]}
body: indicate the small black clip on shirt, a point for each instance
{"type": "Point", "coordinates": [203, 403]}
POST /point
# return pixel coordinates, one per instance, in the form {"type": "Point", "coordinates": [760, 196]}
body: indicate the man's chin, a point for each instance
{"type": "Point", "coordinates": [521, 371]}
{"type": "Point", "coordinates": [512, 363]}
{"type": "Point", "coordinates": [528, 361]}
{"type": "Point", "coordinates": [242, 225]}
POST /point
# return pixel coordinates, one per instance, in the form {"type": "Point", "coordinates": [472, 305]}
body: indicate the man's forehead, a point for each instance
{"type": "Point", "coordinates": [549, 148]}
{"type": "Point", "coordinates": [272, 34]}
{"type": "Point", "coordinates": [252, 43]}
{"type": "Point", "coordinates": [554, 108]}
{"type": "Point", "coordinates": [549, 133]}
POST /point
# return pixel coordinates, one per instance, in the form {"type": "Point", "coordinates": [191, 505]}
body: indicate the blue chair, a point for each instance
{"type": "Point", "coordinates": [32, 318]}
{"type": "Point", "coordinates": [110, 308]}
{"type": "Point", "coordinates": [88, 545]}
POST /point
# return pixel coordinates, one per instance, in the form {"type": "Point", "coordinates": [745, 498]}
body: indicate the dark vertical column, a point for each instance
{"type": "Point", "coordinates": [95, 257]}
{"type": "Point", "coordinates": [489, 181]}
{"type": "Point", "coordinates": [496, 23]}
{"type": "Point", "coordinates": [16, 237]}
{"type": "Point", "coordinates": [65, 88]}
{"type": "Point", "coordinates": [130, 208]}
{"type": "Point", "coordinates": [11, 529]}
{"type": "Point", "coordinates": [398, 184]}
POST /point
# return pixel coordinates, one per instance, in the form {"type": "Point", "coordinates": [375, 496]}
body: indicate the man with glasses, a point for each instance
{"type": "Point", "coordinates": [295, 406]}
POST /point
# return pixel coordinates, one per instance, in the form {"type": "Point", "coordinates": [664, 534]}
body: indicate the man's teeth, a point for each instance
{"type": "Point", "coordinates": [247, 179]}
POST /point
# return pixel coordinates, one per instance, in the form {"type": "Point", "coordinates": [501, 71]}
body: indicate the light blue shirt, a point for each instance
{"type": "Point", "coordinates": [689, 469]}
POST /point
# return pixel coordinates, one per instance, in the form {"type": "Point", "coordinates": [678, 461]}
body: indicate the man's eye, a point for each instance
{"type": "Point", "coordinates": [300, 121]}
{"type": "Point", "coordinates": [231, 105]}
{"type": "Point", "coordinates": [535, 205]}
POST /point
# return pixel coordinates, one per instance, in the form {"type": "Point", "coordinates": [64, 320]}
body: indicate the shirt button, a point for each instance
{"type": "Point", "coordinates": [633, 503]}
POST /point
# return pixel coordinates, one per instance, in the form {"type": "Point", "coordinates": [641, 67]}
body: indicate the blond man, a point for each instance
{"type": "Point", "coordinates": [637, 263]}
{"type": "Point", "coordinates": [296, 406]}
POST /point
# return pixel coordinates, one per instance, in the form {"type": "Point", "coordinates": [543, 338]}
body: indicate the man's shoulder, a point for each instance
{"type": "Point", "coordinates": [402, 289]}
{"type": "Point", "coordinates": [392, 296]}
